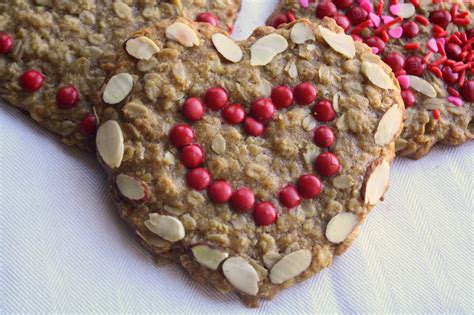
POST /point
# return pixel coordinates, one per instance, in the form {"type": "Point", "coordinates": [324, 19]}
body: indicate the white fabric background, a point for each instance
{"type": "Point", "coordinates": [63, 248]}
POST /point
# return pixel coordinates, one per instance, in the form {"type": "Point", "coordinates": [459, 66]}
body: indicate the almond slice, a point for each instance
{"type": "Point", "coordinates": [131, 188]}
{"type": "Point", "coordinates": [241, 275]}
{"type": "Point", "coordinates": [266, 48]}
{"type": "Point", "coordinates": [376, 181]}
{"type": "Point", "coordinates": [182, 34]}
{"type": "Point", "coordinates": [377, 75]}
{"type": "Point", "coordinates": [389, 125]}
{"type": "Point", "coordinates": [340, 42]}
{"type": "Point", "coordinates": [290, 266]}
{"type": "Point", "coordinates": [166, 227]}
{"type": "Point", "coordinates": [422, 86]}
{"type": "Point", "coordinates": [209, 257]}
{"type": "Point", "coordinates": [301, 32]}
{"type": "Point", "coordinates": [117, 88]}
{"type": "Point", "coordinates": [141, 47]}
{"type": "Point", "coordinates": [407, 10]}
{"type": "Point", "coordinates": [109, 141]}
{"type": "Point", "coordinates": [341, 226]}
{"type": "Point", "coordinates": [227, 47]}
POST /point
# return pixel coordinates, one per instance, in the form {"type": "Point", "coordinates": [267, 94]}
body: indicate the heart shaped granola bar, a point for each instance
{"type": "Point", "coordinates": [246, 162]}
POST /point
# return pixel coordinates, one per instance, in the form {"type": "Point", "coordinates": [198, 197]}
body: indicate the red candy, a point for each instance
{"type": "Point", "coordinates": [67, 97]}
{"type": "Point", "coordinates": [31, 80]}
{"type": "Point", "coordinates": [289, 196]}
{"type": "Point", "coordinates": [243, 200]}
{"type": "Point", "coordinates": [410, 29]}
{"type": "Point", "coordinates": [279, 20]}
{"type": "Point", "coordinates": [208, 17]}
{"type": "Point", "coordinates": [323, 111]}
{"type": "Point", "coordinates": [198, 178]}
{"type": "Point", "coordinates": [309, 186]}
{"type": "Point", "coordinates": [357, 15]}
{"type": "Point", "coordinates": [262, 110]}
{"type": "Point", "coordinates": [449, 75]}
{"type": "Point", "coordinates": [305, 93]}
{"type": "Point", "coordinates": [216, 98]}
{"type": "Point", "coordinates": [395, 61]}
{"type": "Point", "coordinates": [414, 65]}
{"type": "Point", "coordinates": [342, 4]}
{"type": "Point", "coordinates": [192, 156]}
{"type": "Point", "coordinates": [264, 213]}
{"type": "Point", "coordinates": [453, 50]}
{"type": "Point", "coordinates": [326, 8]}
{"type": "Point", "coordinates": [181, 135]}
{"type": "Point", "coordinates": [253, 127]}
{"type": "Point", "coordinates": [88, 125]}
{"type": "Point", "coordinates": [282, 96]}
{"type": "Point", "coordinates": [323, 137]}
{"type": "Point", "coordinates": [376, 42]}
{"type": "Point", "coordinates": [233, 114]}
{"type": "Point", "coordinates": [193, 109]}
{"type": "Point", "coordinates": [440, 17]}
{"type": "Point", "coordinates": [408, 98]}
{"type": "Point", "coordinates": [467, 91]}
{"type": "Point", "coordinates": [327, 164]}
{"type": "Point", "coordinates": [6, 43]}
{"type": "Point", "coordinates": [342, 21]}
{"type": "Point", "coordinates": [219, 191]}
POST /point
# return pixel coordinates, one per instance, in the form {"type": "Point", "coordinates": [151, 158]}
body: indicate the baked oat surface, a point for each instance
{"type": "Point", "coordinates": [68, 44]}
{"type": "Point", "coordinates": [439, 112]}
{"type": "Point", "coordinates": [250, 163]}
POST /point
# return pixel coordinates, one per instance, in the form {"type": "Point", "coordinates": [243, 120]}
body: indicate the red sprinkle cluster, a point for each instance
{"type": "Point", "coordinates": [254, 122]}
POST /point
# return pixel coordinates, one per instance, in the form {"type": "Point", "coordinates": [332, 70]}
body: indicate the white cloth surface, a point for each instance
{"type": "Point", "coordinates": [63, 249]}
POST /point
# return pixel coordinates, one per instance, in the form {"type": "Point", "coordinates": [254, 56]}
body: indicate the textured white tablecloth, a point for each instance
{"type": "Point", "coordinates": [63, 249]}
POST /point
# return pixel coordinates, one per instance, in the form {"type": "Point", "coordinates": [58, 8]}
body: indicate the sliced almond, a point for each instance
{"type": "Point", "coordinates": [266, 48]}
{"type": "Point", "coordinates": [141, 47]}
{"type": "Point", "coordinates": [290, 266]}
{"type": "Point", "coordinates": [407, 10]}
{"type": "Point", "coordinates": [227, 47]}
{"type": "Point", "coordinates": [422, 86]}
{"type": "Point", "coordinates": [118, 88]}
{"type": "Point", "coordinates": [341, 226]}
{"type": "Point", "coordinates": [376, 181]}
{"type": "Point", "coordinates": [241, 275]}
{"type": "Point", "coordinates": [389, 125]}
{"type": "Point", "coordinates": [131, 188]}
{"type": "Point", "coordinates": [109, 141]}
{"type": "Point", "coordinates": [209, 257]}
{"type": "Point", "coordinates": [377, 75]}
{"type": "Point", "coordinates": [340, 42]}
{"type": "Point", "coordinates": [166, 227]}
{"type": "Point", "coordinates": [301, 32]}
{"type": "Point", "coordinates": [219, 144]}
{"type": "Point", "coordinates": [182, 34]}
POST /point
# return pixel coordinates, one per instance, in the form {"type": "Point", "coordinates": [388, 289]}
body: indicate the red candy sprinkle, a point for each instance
{"type": "Point", "coordinates": [208, 17]}
{"type": "Point", "coordinates": [253, 127]}
{"type": "Point", "coordinates": [181, 135]}
{"type": "Point", "coordinates": [440, 17]}
{"type": "Point", "coordinates": [67, 97]}
{"type": "Point", "coordinates": [305, 93]}
{"type": "Point", "coordinates": [408, 98]}
{"type": "Point", "coordinates": [323, 137]}
{"type": "Point", "coordinates": [233, 114]}
{"type": "Point", "coordinates": [342, 21]}
{"type": "Point", "coordinates": [467, 91]}
{"type": "Point", "coordinates": [193, 109]}
{"type": "Point", "coordinates": [326, 8]}
{"type": "Point", "coordinates": [289, 196]}
{"type": "Point", "coordinates": [453, 50]}
{"type": "Point", "coordinates": [88, 125]}
{"type": "Point", "coordinates": [262, 110]}
{"type": "Point", "coordinates": [436, 114]}
{"type": "Point", "coordinates": [243, 200]}
{"type": "Point", "coordinates": [6, 43]}
{"type": "Point", "coordinates": [198, 178]}
{"type": "Point", "coordinates": [309, 186]}
{"type": "Point", "coordinates": [395, 61]}
{"type": "Point", "coordinates": [219, 191]}
{"type": "Point", "coordinates": [264, 213]}
{"type": "Point", "coordinates": [410, 29]}
{"type": "Point", "coordinates": [376, 42]}
{"type": "Point", "coordinates": [216, 98]}
{"type": "Point", "coordinates": [31, 80]}
{"type": "Point", "coordinates": [282, 96]}
{"type": "Point", "coordinates": [192, 156]}
{"type": "Point", "coordinates": [449, 75]}
{"type": "Point", "coordinates": [327, 164]}
{"type": "Point", "coordinates": [357, 15]}
{"type": "Point", "coordinates": [342, 4]}
{"type": "Point", "coordinates": [414, 65]}
{"type": "Point", "coordinates": [323, 111]}
{"type": "Point", "coordinates": [279, 20]}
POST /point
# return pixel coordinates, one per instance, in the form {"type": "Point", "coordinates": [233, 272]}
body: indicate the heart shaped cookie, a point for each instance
{"type": "Point", "coordinates": [250, 163]}
{"type": "Point", "coordinates": [428, 44]}
{"type": "Point", "coordinates": [54, 54]}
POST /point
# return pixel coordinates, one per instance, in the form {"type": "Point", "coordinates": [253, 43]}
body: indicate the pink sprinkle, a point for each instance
{"type": "Point", "coordinates": [396, 32]}
{"type": "Point", "coordinates": [304, 3]}
{"type": "Point", "coordinates": [404, 81]}
{"type": "Point", "coordinates": [455, 100]}
{"type": "Point", "coordinates": [432, 45]}
{"type": "Point", "coordinates": [366, 5]}
{"type": "Point", "coordinates": [386, 19]}
{"type": "Point", "coordinates": [375, 19]}
{"type": "Point", "coordinates": [395, 9]}
{"type": "Point", "coordinates": [375, 50]}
